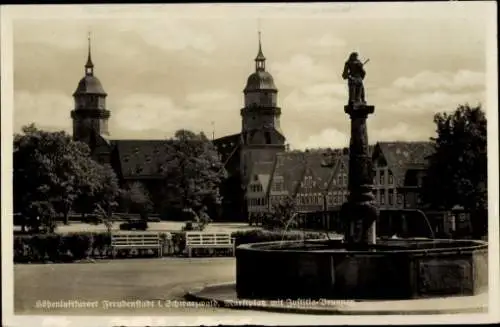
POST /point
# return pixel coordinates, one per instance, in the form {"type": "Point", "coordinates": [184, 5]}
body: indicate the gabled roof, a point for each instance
{"type": "Point", "coordinates": [263, 171]}
{"type": "Point", "coordinates": [401, 156]}
{"type": "Point", "coordinates": [342, 161]}
{"type": "Point", "coordinates": [290, 165]}
{"type": "Point", "coordinates": [321, 173]}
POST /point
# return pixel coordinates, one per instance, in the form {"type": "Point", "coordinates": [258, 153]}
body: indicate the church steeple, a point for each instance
{"type": "Point", "coordinates": [260, 60]}
{"type": "Point", "coordinates": [90, 115]}
{"type": "Point", "coordinates": [89, 66]}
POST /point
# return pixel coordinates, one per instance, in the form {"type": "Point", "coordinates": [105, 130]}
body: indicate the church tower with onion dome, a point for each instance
{"type": "Point", "coordinates": [90, 116]}
{"type": "Point", "coordinates": [261, 135]}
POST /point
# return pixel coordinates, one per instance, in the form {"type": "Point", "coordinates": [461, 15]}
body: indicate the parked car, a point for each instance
{"type": "Point", "coordinates": [134, 225]}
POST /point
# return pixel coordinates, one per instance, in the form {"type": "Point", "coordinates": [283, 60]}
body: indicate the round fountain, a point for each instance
{"type": "Point", "coordinates": [360, 266]}
{"type": "Point", "coordinates": [390, 269]}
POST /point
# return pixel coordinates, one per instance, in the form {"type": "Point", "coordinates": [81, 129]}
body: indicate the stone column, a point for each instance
{"type": "Point", "coordinates": [359, 212]}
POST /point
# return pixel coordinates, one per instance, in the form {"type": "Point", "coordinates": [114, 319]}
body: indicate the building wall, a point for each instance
{"type": "Point", "coordinates": [385, 188]}
{"type": "Point", "coordinates": [257, 201]}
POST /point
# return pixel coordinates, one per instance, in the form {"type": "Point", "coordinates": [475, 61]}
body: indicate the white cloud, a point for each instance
{"type": "Point", "coordinates": [327, 41]}
{"type": "Point", "coordinates": [208, 97]}
{"type": "Point", "coordinates": [432, 81]}
{"type": "Point", "coordinates": [326, 89]}
{"type": "Point", "coordinates": [300, 70]}
{"type": "Point", "coordinates": [141, 112]}
{"type": "Point", "coordinates": [160, 116]}
{"type": "Point", "coordinates": [437, 101]}
{"type": "Point", "coordinates": [170, 34]}
{"type": "Point", "coordinates": [47, 110]}
{"type": "Point", "coordinates": [327, 138]}
{"type": "Point", "coordinates": [315, 98]}
{"type": "Point", "coordinates": [401, 132]}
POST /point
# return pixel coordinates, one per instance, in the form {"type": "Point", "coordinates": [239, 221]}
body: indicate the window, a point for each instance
{"type": "Point", "coordinates": [391, 197]}
{"type": "Point", "coordinates": [382, 198]}
{"type": "Point", "coordinates": [391, 178]}
{"type": "Point", "coordinates": [400, 198]}
{"type": "Point", "coordinates": [382, 180]}
{"type": "Point", "coordinates": [267, 136]}
{"type": "Point", "coordinates": [345, 178]}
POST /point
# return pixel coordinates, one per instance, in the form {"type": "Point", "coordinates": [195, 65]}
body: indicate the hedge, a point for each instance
{"type": "Point", "coordinates": [81, 245]}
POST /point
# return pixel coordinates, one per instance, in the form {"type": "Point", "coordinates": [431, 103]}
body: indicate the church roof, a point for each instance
{"type": "Point", "coordinates": [142, 158]}
{"type": "Point", "coordinates": [89, 85]}
{"type": "Point", "coordinates": [260, 80]}
{"type": "Point", "coordinates": [226, 145]}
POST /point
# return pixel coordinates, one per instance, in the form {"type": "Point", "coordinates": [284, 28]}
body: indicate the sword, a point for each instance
{"type": "Point", "coordinates": [366, 61]}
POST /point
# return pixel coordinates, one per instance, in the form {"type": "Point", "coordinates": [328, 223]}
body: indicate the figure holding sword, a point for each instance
{"type": "Point", "coordinates": [355, 73]}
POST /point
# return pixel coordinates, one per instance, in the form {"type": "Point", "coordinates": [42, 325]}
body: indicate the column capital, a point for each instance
{"type": "Point", "coordinates": [359, 110]}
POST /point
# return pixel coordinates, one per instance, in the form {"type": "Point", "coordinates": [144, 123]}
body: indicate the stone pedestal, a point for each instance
{"type": "Point", "coordinates": [359, 212]}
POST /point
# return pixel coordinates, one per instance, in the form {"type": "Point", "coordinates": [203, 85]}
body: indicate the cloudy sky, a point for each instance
{"type": "Point", "coordinates": [179, 66]}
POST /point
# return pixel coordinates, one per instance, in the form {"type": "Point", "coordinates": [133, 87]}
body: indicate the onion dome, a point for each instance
{"type": "Point", "coordinates": [260, 79]}
{"type": "Point", "coordinates": [89, 84]}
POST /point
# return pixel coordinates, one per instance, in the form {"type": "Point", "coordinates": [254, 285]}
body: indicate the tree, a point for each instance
{"type": "Point", "coordinates": [193, 172]}
{"type": "Point", "coordinates": [282, 214]}
{"type": "Point", "coordinates": [138, 199]}
{"type": "Point", "coordinates": [99, 193]}
{"type": "Point", "coordinates": [51, 167]}
{"type": "Point", "coordinates": [40, 214]}
{"type": "Point", "coordinates": [47, 167]}
{"type": "Point", "coordinates": [457, 172]}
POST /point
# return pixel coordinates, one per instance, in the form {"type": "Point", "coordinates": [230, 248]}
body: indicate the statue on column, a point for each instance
{"type": "Point", "coordinates": [355, 73]}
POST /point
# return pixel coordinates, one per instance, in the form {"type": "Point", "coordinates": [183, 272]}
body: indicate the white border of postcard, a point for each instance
{"type": "Point", "coordinates": [334, 10]}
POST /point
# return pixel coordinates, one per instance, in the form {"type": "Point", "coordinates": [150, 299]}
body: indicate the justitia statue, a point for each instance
{"type": "Point", "coordinates": [359, 213]}
{"type": "Point", "coordinates": [354, 73]}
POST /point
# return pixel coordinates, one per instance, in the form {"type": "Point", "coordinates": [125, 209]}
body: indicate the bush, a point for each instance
{"type": "Point", "coordinates": [178, 242]}
{"type": "Point", "coordinates": [39, 248]}
{"type": "Point", "coordinates": [47, 246]}
{"type": "Point", "coordinates": [69, 247]}
{"type": "Point", "coordinates": [78, 244]}
{"type": "Point", "coordinates": [101, 244]}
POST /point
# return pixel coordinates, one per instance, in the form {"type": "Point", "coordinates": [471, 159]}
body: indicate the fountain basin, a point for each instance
{"type": "Point", "coordinates": [391, 269]}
